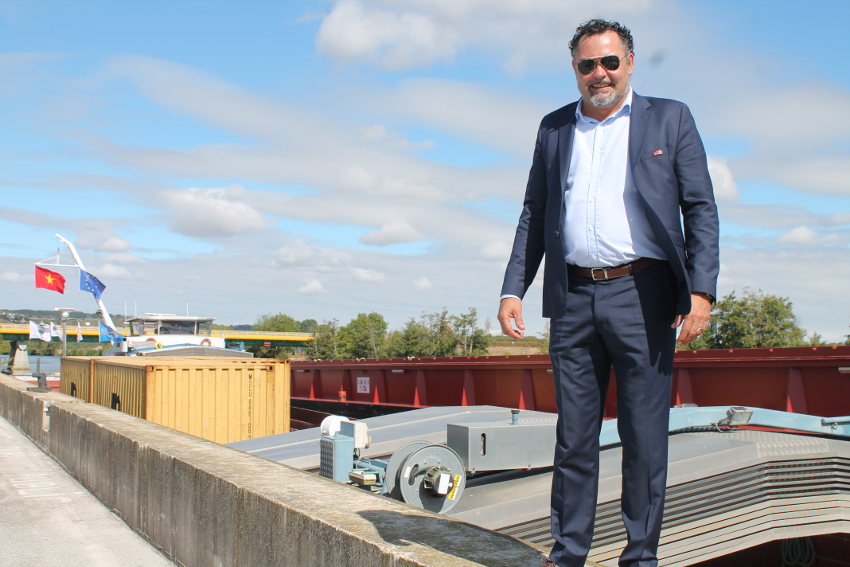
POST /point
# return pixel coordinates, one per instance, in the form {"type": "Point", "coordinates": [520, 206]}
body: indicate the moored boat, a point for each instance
{"type": "Point", "coordinates": [156, 334]}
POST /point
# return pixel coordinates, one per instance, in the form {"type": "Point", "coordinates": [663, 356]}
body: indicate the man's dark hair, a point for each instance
{"type": "Point", "coordinates": [597, 26]}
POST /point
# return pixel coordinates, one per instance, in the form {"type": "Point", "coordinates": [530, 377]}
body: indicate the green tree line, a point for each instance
{"type": "Point", "coordinates": [749, 319]}
{"type": "Point", "coordinates": [746, 320]}
{"type": "Point", "coordinates": [367, 336]}
{"type": "Point", "coordinates": [755, 319]}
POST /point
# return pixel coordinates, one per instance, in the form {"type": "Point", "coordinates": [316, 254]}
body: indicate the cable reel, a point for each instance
{"type": "Point", "coordinates": [429, 476]}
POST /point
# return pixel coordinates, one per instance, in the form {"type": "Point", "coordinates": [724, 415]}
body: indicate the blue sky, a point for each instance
{"type": "Point", "coordinates": [324, 159]}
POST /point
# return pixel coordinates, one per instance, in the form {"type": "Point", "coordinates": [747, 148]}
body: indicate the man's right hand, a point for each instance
{"type": "Point", "coordinates": [510, 309]}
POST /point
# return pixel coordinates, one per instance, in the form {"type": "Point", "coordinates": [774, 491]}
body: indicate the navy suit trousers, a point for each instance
{"type": "Point", "coordinates": [624, 323]}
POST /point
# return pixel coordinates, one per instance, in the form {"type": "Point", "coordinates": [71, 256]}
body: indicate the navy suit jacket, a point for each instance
{"type": "Point", "coordinates": [673, 184]}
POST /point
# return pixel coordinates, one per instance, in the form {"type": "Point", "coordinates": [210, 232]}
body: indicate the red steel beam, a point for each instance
{"type": "Point", "coordinates": [799, 379]}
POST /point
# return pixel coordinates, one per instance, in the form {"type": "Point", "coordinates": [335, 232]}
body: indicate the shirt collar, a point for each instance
{"type": "Point", "coordinates": [624, 110]}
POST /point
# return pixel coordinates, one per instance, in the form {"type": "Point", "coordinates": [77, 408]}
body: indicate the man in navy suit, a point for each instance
{"type": "Point", "coordinates": [620, 203]}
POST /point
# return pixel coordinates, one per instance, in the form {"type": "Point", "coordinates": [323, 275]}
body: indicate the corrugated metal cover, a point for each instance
{"type": "Point", "coordinates": [726, 490]}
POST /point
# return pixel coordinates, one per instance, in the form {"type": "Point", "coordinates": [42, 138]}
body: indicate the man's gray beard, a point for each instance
{"type": "Point", "coordinates": [607, 100]}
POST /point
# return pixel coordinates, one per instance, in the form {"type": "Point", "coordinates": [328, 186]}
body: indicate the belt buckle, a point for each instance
{"type": "Point", "coordinates": [604, 274]}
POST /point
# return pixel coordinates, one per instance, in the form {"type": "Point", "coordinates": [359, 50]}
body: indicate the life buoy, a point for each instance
{"type": "Point", "coordinates": [158, 345]}
{"type": "Point", "coordinates": [206, 342]}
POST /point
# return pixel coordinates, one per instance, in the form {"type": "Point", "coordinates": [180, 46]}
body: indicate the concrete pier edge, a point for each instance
{"type": "Point", "coordinates": [204, 504]}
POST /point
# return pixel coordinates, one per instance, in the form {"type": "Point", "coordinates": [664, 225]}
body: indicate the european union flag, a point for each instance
{"type": "Point", "coordinates": [90, 283]}
{"type": "Point", "coordinates": [109, 335]}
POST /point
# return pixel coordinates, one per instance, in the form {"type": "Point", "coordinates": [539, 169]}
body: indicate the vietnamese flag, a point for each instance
{"type": "Point", "coordinates": [47, 279]}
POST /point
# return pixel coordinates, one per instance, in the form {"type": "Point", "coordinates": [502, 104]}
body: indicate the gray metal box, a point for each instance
{"type": "Point", "coordinates": [494, 446]}
{"type": "Point", "coordinates": [336, 456]}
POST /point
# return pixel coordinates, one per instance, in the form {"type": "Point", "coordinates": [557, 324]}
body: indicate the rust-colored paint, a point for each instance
{"type": "Point", "coordinates": [799, 379]}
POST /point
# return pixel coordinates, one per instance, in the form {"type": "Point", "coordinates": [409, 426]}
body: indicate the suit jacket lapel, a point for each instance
{"type": "Point", "coordinates": [565, 147]}
{"type": "Point", "coordinates": [638, 125]}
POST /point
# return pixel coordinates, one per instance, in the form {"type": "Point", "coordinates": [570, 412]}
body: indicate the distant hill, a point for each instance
{"type": "Point", "coordinates": [24, 315]}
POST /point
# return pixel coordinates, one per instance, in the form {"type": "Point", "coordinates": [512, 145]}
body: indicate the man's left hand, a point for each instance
{"type": "Point", "coordinates": [694, 323]}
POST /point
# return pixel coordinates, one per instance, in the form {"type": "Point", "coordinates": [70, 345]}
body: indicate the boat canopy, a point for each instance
{"type": "Point", "coordinates": [158, 324]}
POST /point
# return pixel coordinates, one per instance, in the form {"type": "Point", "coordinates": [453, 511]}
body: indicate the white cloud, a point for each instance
{"type": "Point", "coordinates": [498, 251]}
{"type": "Point", "coordinates": [189, 91]}
{"type": "Point", "coordinates": [353, 182]}
{"type": "Point", "coordinates": [838, 219]}
{"type": "Point", "coordinates": [823, 175]}
{"type": "Point", "coordinates": [755, 117]}
{"type": "Point", "coordinates": [774, 217]}
{"type": "Point", "coordinates": [104, 242]}
{"type": "Point", "coordinates": [211, 212]}
{"type": "Point", "coordinates": [391, 180]}
{"type": "Point", "coordinates": [493, 118]}
{"type": "Point", "coordinates": [393, 40]}
{"type": "Point", "coordinates": [363, 275]}
{"type": "Point", "coordinates": [724, 280]}
{"type": "Point", "coordinates": [809, 156]}
{"type": "Point", "coordinates": [422, 283]}
{"type": "Point", "coordinates": [374, 133]}
{"type": "Point", "coordinates": [813, 169]}
{"type": "Point", "coordinates": [14, 277]}
{"type": "Point", "coordinates": [313, 287]}
{"type": "Point", "coordinates": [123, 258]}
{"type": "Point", "coordinates": [804, 236]}
{"type": "Point", "coordinates": [725, 188]}
{"type": "Point", "coordinates": [304, 255]}
{"type": "Point", "coordinates": [395, 232]}
{"type": "Point", "coordinates": [392, 140]}
{"type": "Point", "coordinates": [26, 59]}
{"type": "Point", "coordinates": [419, 33]}
{"type": "Point", "coordinates": [114, 271]}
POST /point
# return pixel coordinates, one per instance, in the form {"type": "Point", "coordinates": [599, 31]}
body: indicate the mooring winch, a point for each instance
{"type": "Point", "coordinates": [433, 476]}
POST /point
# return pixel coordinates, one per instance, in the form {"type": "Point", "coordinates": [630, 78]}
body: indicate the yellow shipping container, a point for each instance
{"type": "Point", "coordinates": [76, 374]}
{"type": "Point", "coordinates": [219, 399]}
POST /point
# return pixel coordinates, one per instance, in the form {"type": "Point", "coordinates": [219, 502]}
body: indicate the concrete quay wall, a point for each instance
{"type": "Point", "coordinates": [204, 504]}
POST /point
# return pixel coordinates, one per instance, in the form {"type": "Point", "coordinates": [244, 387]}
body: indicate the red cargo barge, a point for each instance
{"type": "Point", "coordinates": [809, 380]}
{"type": "Point", "coordinates": [801, 380]}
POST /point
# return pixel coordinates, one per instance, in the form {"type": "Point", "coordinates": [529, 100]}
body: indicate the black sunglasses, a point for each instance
{"type": "Point", "coordinates": [610, 62]}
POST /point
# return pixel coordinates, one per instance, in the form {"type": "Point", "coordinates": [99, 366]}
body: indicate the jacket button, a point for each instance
{"type": "Point", "coordinates": [557, 234]}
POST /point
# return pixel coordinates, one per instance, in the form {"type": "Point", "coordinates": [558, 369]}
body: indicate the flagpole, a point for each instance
{"type": "Point", "coordinates": [103, 312]}
{"type": "Point", "coordinates": [64, 333]}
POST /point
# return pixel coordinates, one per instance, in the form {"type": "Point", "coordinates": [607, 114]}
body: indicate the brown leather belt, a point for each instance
{"type": "Point", "coordinates": [602, 274]}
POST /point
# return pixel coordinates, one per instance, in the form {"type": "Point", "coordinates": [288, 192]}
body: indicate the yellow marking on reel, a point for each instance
{"type": "Point", "coordinates": [454, 488]}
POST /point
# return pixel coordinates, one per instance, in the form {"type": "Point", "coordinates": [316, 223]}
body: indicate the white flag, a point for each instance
{"type": "Point", "coordinates": [54, 330]}
{"type": "Point", "coordinates": [79, 333]}
{"type": "Point", "coordinates": [40, 332]}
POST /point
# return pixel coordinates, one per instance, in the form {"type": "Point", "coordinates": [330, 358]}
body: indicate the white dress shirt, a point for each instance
{"type": "Point", "coordinates": [604, 222]}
